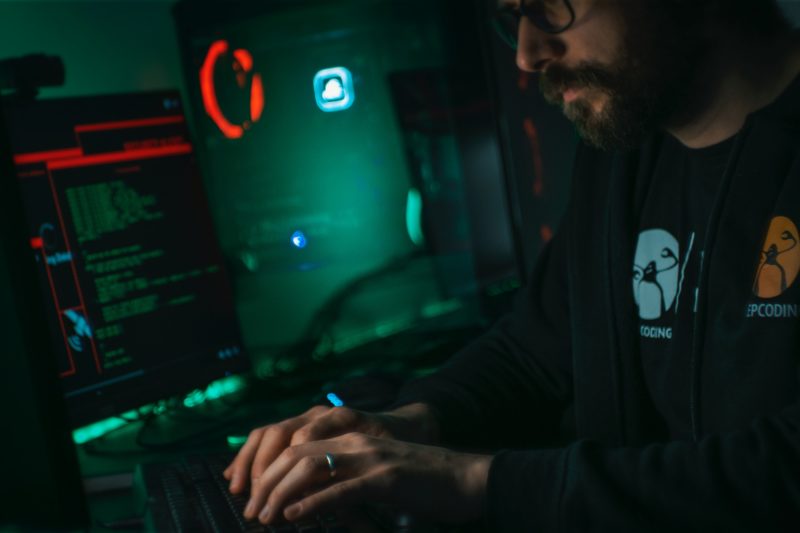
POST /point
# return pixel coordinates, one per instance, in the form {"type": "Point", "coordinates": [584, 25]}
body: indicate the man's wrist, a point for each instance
{"type": "Point", "coordinates": [474, 483]}
{"type": "Point", "coordinates": [416, 423]}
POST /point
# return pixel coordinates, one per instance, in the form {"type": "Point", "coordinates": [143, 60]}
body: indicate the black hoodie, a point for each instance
{"type": "Point", "coordinates": [570, 352]}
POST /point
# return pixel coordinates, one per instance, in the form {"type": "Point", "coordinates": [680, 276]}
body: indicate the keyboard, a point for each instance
{"type": "Point", "coordinates": [193, 496]}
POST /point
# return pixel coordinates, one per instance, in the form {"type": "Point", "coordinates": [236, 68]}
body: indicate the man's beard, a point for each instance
{"type": "Point", "coordinates": [648, 87]}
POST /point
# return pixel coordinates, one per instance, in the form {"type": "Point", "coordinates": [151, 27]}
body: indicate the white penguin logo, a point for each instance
{"type": "Point", "coordinates": [655, 273]}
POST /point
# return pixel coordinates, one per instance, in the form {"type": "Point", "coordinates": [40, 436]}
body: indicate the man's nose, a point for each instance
{"type": "Point", "coordinates": [535, 48]}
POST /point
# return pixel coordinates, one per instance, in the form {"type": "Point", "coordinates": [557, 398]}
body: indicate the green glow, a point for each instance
{"type": "Point", "coordinates": [250, 261]}
{"type": "Point", "coordinates": [391, 327]}
{"type": "Point", "coordinates": [414, 217]}
{"type": "Point", "coordinates": [98, 429]}
{"type": "Point", "coordinates": [236, 441]}
{"type": "Point", "coordinates": [352, 340]}
{"type": "Point", "coordinates": [435, 309]}
{"type": "Point", "coordinates": [194, 398]}
{"type": "Point", "coordinates": [214, 391]}
{"type": "Point", "coordinates": [224, 387]}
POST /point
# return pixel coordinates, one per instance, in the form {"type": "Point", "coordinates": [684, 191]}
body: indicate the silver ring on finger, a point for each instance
{"type": "Point", "coordinates": [331, 463]}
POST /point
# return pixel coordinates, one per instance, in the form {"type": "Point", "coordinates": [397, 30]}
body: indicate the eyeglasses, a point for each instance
{"type": "Point", "coordinates": [550, 16]}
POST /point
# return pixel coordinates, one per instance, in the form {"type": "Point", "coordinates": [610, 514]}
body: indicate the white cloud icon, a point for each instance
{"type": "Point", "coordinates": [333, 90]}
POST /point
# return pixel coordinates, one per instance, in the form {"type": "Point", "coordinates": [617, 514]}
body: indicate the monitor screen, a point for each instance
{"type": "Point", "coordinates": [350, 154]}
{"type": "Point", "coordinates": [139, 305]}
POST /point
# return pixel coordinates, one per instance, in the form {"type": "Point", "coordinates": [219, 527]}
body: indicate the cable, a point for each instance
{"type": "Point", "coordinates": [330, 312]}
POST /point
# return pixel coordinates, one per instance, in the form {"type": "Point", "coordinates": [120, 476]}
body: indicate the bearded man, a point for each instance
{"type": "Point", "coordinates": [659, 330]}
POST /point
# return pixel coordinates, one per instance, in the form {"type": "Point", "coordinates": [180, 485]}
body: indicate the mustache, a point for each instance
{"type": "Point", "coordinates": [557, 78]}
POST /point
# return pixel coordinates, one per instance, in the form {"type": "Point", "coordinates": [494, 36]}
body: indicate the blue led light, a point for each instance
{"type": "Point", "coordinates": [334, 90]}
{"type": "Point", "coordinates": [335, 400]}
{"type": "Point", "coordinates": [299, 239]}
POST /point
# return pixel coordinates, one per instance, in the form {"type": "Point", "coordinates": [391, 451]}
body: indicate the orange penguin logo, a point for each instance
{"type": "Point", "coordinates": [780, 259]}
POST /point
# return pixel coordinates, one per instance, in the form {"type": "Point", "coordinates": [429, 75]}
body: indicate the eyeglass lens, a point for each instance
{"type": "Point", "coordinates": [550, 16]}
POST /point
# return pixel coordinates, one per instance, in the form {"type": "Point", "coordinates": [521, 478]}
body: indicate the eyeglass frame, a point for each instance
{"type": "Point", "coordinates": [535, 20]}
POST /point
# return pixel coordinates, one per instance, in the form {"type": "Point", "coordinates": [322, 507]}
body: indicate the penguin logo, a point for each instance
{"type": "Point", "coordinates": [655, 273]}
{"type": "Point", "coordinates": [780, 259]}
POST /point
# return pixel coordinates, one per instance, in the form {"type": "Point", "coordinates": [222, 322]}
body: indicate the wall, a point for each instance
{"type": "Point", "coordinates": [107, 45]}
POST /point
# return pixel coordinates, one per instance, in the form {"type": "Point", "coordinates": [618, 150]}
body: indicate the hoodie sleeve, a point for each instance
{"type": "Point", "coordinates": [743, 481]}
{"type": "Point", "coordinates": [521, 367]}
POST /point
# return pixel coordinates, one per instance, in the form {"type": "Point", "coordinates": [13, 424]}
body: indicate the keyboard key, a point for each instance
{"type": "Point", "coordinates": [193, 495]}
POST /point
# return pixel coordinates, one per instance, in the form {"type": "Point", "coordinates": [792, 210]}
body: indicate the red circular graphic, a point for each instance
{"type": "Point", "coordinates": [242, 66]}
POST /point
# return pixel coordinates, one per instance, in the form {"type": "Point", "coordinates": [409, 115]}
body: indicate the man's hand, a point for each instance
{"type": "Point", "coordinates": [264, 445]}
{"type": "Point", "coordinates": [426, 481]}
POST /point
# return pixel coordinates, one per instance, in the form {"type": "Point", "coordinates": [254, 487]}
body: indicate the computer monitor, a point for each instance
{"type": "Point", "coordinates": [139, 307]}
{"type": "Point", "coordinates": [353, 202]}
